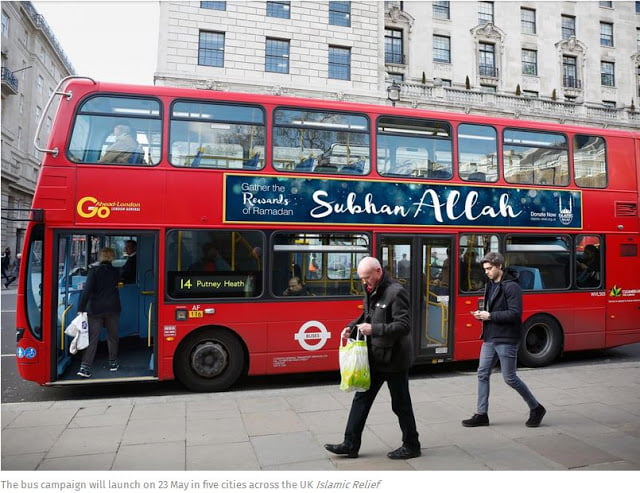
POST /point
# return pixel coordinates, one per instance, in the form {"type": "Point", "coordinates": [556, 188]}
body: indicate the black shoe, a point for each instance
{"type": "Point", "coordinates": [404, 452]}
{"type": "Point", "coordinates": [535, 416]}
{"type": "Point", "coordinates": [114, 365]}
{"type": "Point", "coordinates": [84, 372]}
{"type": "Point", "coordinates": [476, 420]}
{"type": "Point", "coordinates": [342, 449]}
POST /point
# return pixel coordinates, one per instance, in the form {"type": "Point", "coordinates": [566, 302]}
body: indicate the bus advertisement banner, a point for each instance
{"type": "Point", "coordinates": [286, 200]}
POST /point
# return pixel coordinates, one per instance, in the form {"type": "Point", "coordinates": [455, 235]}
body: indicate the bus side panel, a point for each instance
{"type": "Point", "coordinates": [623, 289]}
{"type": "Point", "coordinates": [581, 329]}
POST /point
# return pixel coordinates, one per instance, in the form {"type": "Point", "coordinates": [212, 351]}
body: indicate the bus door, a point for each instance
{"type": "Point", "coordinates": [421, 264]}
{"type": "Point", "coordinates": [76, 252]}
{"type": "Point", "coordinates": [622, 290]}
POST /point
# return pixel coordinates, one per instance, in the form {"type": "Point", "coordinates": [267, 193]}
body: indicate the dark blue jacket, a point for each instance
{"type": "Point", "coordinates": [505, 307]}
{"type": "Point", "coordinates": [387, 310]}
{"type": "Point", "coordinates": [100, 294]}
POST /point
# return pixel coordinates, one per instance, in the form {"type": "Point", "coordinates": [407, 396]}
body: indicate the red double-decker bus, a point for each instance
{"type": "Point", "coordinates": [235, 199]}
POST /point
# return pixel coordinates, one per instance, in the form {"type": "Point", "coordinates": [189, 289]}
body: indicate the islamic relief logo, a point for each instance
{"type": "Point", "coordinates": [566, 213]}
{"type": "Point", "coordinates": [615, 292]}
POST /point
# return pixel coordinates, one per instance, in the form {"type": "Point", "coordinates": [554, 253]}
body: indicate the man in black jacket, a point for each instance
{"type": "Point", "coordinates": [386, 322]}
{"type": "Point", "coordinates": [501, 333]}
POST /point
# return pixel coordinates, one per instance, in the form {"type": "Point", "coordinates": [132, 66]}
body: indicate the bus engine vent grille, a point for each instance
{"type": "Point", "coordinates": [626, 209]}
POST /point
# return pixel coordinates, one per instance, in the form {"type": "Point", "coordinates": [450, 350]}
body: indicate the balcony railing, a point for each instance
{"type": "Point", "coordinates": [571, 82]}
{"type": "Point", "coordinates": [488, 71]}
{"type": "Point", "coordinates": [396, 58]}
{"type": "Point", "coordinates": [471, 101]}
{"type": "Point", "coordinates": [9, 80]}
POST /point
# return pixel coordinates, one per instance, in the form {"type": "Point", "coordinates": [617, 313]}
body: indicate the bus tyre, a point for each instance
{"type": "Point", "coordinates": [209, 360]}
{"type": "Point", "coordinates": [541, 341]}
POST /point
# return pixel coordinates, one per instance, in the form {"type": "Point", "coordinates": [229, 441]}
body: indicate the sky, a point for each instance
{"type": "Point", "coordinates": [114, 41]}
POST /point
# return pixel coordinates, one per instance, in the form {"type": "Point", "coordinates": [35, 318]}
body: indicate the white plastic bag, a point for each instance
{"type": "Point", "coordinates": [79, 330]}
{"type": "Point", "coordinates": [354, 365]}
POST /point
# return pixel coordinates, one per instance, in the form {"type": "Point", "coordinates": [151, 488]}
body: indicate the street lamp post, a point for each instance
{"type": "Point", "coordinates": [393, 92]}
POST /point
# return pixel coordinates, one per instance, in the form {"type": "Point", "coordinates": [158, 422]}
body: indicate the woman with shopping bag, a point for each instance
{"type": "Point", "coordinates": [101, 300]}
{"type": "Point", "coordinates": [386, 323]}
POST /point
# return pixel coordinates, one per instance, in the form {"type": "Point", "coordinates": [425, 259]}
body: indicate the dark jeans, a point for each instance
{"type": "Point", "coordinates": [109, 321]}
{"type": "Point", "coordinates": [398, 383]}
{"type": "Point", "coordinates": [508, 356]}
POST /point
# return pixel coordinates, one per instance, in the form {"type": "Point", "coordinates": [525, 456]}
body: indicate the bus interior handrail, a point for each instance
{"type": "Point", "coordinates": [56, 92]}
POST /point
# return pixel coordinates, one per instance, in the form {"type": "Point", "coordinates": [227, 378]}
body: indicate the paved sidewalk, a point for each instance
{"type": "Point", "coordinates": [593, 422]}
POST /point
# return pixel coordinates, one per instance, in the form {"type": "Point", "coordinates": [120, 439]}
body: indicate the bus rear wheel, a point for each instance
{"type": "Point", "coordinates": [541, 341]}
{"type": "Point", "coordinates": [209, 360]}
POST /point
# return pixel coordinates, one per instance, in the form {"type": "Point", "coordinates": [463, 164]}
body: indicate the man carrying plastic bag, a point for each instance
{"type": "Point", "coordinates": [386, 322]}
{"type": "Point", "coordinates": [354, 365]}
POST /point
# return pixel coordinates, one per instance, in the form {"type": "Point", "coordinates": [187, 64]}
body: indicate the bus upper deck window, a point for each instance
{"type": "Point", "coordinates": [536, 158]}
{"type": "Point", "coordinates": [589, 161]}
{"type": "Point", "coordinates": [117, 130]}
{"type": "Point", "coordinates": [320, 142]}
{"type": "Point", "coordinates": [413, 147]}
{"type": "Point", "coordinates": [477, 153]}
{"type": "Point", "coordinates": [217, 135]}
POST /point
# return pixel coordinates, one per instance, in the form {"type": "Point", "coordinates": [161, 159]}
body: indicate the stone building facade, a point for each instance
{"type": "Point", "coordinates": [32, 64]}
{"type": "Point", "coordinates": [573, 62]}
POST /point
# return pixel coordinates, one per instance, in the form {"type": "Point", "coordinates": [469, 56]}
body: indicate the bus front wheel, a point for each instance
{"type": "Point", "coordinates": [541, 341]}
{"type": "Point", "coordinates": [209, 360]}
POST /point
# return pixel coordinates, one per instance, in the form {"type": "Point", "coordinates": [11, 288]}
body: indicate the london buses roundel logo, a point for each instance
{"type": "Point", "coordinates": [312, 335]}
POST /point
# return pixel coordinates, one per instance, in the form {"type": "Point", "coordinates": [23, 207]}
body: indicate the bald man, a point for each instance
{"type": "Point", "coordinates": [386, 322]}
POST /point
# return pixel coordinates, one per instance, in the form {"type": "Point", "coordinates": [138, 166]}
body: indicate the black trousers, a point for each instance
{"type": "Point", "coordinates": [398, 383]}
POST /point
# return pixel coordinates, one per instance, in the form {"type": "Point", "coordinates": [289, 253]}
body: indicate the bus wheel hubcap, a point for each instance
{"type": "Point", "coordinates": [537, 340]}
{"type": "Point", "coordinates": [209, 359]}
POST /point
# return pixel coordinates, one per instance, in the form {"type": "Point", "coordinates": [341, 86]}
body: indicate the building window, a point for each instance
{"type": "Point", "coordinates": [528, 21]}
{"type": "Point", "coordinates": [570, 72]}
{"type": "Point", "coordinates": [213, 5]}
{"type": "Point", "coordinates": [211, 49]}
{"type": "Point", "coordinates": [606, 5]}
{"type": "Point", "coordinates": [488, 88]}
{"type": "Point", "coordinates": [530, 62]}
{"type": "Point", "coordinates": [339, 63]}
{"type": "Point", "coordinates": [607, 74]}
{"type": "Point", "coordinates": [487, 60]}
{"type": "Point", "coordinates": [5, 25]}
{"type": "Point", "coordinates": [637, 7]}
{"type": "Point", "coordinates": [393, 49]}
{"type": "Point", "coordinates": [279, 9]}
{"type": "Point", "coordinates": [609, 104]}
{"type": "Point", "coordinates": [340, 14]}
{"type": "Point", "coordinates": [638, 38]}
{"type": "Point", "coordinates": [568, 26]}
{"type": "Point", "coordinates": [442, 49]}
{"type": "Point", "coordinates": [441, 10]}
{"type": "Point", "coordinates": [485, 12]}
{"type": "Point", "coordinates": [277, 56]}
{"type": "Point", "coordinates": [606, 34]}
{"type": "Point", "coordinates": [530, 94]}
{"type": "Point", "coordinates": [395, 77]}
{"type": "Point", "coordinates": [40, 84]}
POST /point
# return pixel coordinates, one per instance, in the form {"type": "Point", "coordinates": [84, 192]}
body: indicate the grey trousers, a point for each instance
{"type": "Point", "coordinates": [109, 321]}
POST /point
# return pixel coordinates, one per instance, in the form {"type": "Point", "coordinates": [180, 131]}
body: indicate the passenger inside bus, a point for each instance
{"type": "Point", "coordinates": [588, 268]}
{"type": "Point", "coordinates": [211, 260]}
{"type": "Point", "coordinates": [128, 273]}
{"type": "Point", "coordinates": [296, 288]}
{"type": "Point", "coordinates": [124, 149]}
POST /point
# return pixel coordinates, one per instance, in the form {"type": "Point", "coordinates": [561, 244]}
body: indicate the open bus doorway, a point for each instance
{"type": "Point", "coordinates": [77, 252]}
{"type": "Point", "coordinates": [423, 265]}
